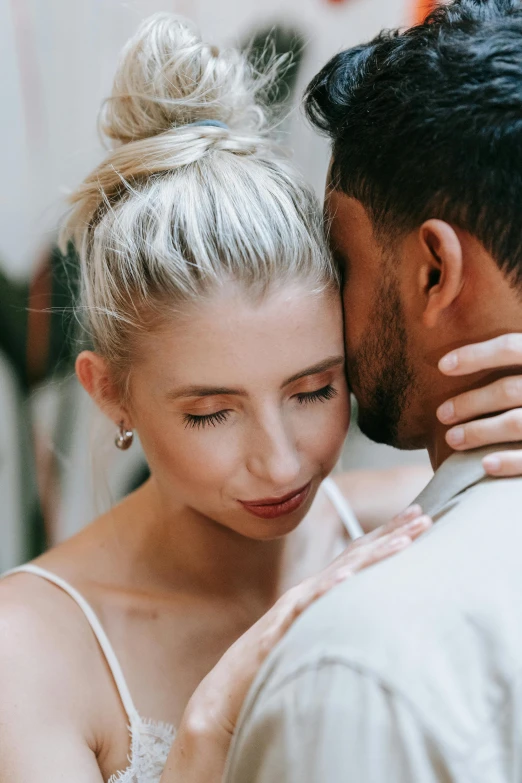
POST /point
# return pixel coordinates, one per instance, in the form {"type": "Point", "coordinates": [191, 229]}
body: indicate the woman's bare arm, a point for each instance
{"type": "Point", "coordinates": [42, 737]}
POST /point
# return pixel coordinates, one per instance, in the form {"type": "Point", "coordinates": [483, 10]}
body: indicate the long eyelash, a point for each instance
{"type": "Point", "coordinates": [213, 419]}
{"type": "Point", "coordinates": [199, 422]}
{"type": "Point", "coordinates": [321, 395]}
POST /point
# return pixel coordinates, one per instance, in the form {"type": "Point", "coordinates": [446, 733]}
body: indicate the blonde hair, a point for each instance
{"type": "Point", "coordinates": [176, 209]}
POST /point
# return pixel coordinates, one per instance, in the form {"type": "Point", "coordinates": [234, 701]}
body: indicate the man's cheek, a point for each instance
{"type": "Point", "coordinates": [353, 327]}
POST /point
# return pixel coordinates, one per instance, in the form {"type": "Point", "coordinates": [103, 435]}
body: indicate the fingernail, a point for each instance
{"type": "Point", "coordinates": [456, 436]}
{"type": "Point", "coordinates": [449, 362]}
{"type": "Point", "coordinates": [411, 511]}
{"type": "Point", "coordinates": [492, 464]}
{"type": "Point", "coordinates": [446, 412]}
{"type": "Point", "coordinates": [417, 524]}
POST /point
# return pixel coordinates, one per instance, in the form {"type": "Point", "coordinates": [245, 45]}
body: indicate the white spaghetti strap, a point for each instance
{"type": "Point", "coordinates": [97, 629]}
{"type": "Point", "coordinates": [342, 507]}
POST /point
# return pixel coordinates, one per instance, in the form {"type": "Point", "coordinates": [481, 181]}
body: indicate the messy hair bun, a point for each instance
{"type": "Point", "coordinates": [168, 77]}
{"type": "Point", "coordinates": [167, 80]}
{"type": "Point", "coordinates": [178, 206]}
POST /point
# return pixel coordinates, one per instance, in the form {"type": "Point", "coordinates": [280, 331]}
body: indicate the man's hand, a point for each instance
{"type": "Point", "coordinates": [503, 396]}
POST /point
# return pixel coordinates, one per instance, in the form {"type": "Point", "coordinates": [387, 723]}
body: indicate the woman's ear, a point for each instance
{"type": "Point", "coordinates": [441, 269]}
{"type": "Point", "coordinates": [96, 378]}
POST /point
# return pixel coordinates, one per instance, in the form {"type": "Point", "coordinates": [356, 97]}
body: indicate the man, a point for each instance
{"type": "Point", "coordinates": [412, 673]}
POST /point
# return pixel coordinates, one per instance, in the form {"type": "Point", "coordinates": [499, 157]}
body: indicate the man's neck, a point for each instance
{"type": "Point", "coordinates": [438, 448]}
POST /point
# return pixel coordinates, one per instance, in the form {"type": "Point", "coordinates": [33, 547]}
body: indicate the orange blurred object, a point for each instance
{"type": "Point", "coordinates": [422, 9]}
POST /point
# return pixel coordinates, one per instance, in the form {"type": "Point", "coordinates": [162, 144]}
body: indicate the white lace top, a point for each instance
{"type": "Point", "coordinates": [150, 741]}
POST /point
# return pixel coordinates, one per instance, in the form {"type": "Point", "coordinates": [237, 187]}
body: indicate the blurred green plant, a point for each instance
{"type": "Point", "coordinates": [37, 340]}
{"type": "Point", "coordinates": [270, 44]}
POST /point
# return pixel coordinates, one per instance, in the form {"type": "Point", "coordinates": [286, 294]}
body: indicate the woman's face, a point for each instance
{"type": "Point", "coordinates": [242, 406]}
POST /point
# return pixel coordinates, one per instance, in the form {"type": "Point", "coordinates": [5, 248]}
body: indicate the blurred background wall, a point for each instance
{"type": "Point", "coordinates": [57, 61]}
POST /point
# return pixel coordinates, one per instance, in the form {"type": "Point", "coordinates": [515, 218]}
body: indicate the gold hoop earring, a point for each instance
{"type": "Point", "coordinates": [124, 438]}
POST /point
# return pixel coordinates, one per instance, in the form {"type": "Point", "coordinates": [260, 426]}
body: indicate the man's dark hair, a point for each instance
{"type": "Point", "coordinates": [427, 122]}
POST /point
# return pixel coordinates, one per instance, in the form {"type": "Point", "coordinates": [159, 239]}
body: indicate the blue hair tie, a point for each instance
{"type": "Point", "coordinates": [208, 123]}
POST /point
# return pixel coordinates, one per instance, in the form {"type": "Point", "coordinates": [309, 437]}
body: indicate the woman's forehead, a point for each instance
{"type": "Point", "coordinates": [229, 334]}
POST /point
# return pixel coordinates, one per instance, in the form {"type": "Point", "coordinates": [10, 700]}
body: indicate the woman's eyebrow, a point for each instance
{"type": "Point", "coordinates": [326, 364]}
{"type": "Point", "coordinates": [214, 391]}
{"type": "Point", "coordinates": [203, 391]}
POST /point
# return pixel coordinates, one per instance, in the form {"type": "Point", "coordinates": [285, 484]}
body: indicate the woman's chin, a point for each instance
{"type": "Point", "coordinates": [271, 530]}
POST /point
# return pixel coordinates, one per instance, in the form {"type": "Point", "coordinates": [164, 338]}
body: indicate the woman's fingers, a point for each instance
{"type": "Point", "coordinates": [503, 351]}
{"type": "Point", "coordinates": [505, 463]}
{"type": "Point", "coordinates": [384, 548]}
{"type": "Point", "coordinates": [504, 428]}
{"type": "Point", "coordinates": [219, 697]}
{"type": "Point", "coordinates": [404, 518]}
{"type": "Point", "coordinates": [365, 552]}
{"type": "Point", "coordinates": [238, 667]}
{"type": "Point", "coordinates": [412, 529]}
{"type": "Point", "coordinates": [351, 562]}
{"type": "Point", "coordinates": [501, 395]}
{"type": "Point", "coordinates": [381, 543]}
{"type": "Point", "coordinates": [409, 514]}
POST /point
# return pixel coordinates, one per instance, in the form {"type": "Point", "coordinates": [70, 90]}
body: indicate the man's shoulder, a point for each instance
{"type": "Point", "coordinates": [431, 611]}
{"type": "Point", "coordinates": [421, 651]}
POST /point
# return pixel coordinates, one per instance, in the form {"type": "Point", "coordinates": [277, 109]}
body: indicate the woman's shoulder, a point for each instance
{"type": "Point", "coordinates": [38, 624]}
{"type": "Point", "coordinates": [47, 710]}
{"type": "Point", "coordinates": [46, 650]}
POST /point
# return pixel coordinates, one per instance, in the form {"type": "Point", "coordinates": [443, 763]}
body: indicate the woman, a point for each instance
{"type": "Point", "coordinates": [215, 315]}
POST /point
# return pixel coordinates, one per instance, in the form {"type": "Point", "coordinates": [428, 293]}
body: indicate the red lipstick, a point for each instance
{"type": "Point", "coordinates": [271, 508]}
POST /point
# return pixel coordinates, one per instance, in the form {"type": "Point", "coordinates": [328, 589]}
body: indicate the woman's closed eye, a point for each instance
{"type": "Point", "coordinates": [327, 392]}
{"type": "Point", "coordinates": [212, 419]}
{"type": "Point", "coordinates": [194, 421]}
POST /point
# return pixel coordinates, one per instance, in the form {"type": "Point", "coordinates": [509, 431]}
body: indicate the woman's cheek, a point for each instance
{"type": "Point", "coordinates": [322, 431]}
{"type": "Point", "coordinates": [336, 428]}
{"type": "Point", "coordinates": [192, 457]}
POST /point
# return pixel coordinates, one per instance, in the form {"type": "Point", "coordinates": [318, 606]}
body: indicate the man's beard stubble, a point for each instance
{"type": "Point", "coordinates": [380, 372]}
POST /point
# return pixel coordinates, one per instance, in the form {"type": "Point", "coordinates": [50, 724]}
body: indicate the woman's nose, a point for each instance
{"type": "Point", "coordinates": [273, 457]}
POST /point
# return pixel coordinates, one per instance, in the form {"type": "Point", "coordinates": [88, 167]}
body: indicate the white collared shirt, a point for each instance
{"type": "Point", "coordinates": [412, 671]}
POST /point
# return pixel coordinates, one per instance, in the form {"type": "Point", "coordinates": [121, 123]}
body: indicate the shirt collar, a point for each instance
{"type": "Point", "coordinates": [459, 472]}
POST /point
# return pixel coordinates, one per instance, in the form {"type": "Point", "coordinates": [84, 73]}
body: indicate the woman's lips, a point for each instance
{"type": "Point", "coordinates": [271, 509]}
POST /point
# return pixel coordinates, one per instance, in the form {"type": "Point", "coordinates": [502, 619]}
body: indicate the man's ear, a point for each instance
{"type": "Point", "coordinates": [441, 269]}
{"type": "Point", "coordinates": [96, 378]}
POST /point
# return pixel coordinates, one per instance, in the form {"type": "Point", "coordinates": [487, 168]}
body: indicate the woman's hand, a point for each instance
{"type": "Point", "coordinates": [503, 396]}
{"type": "Point", "coordinates": [200, 750]}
